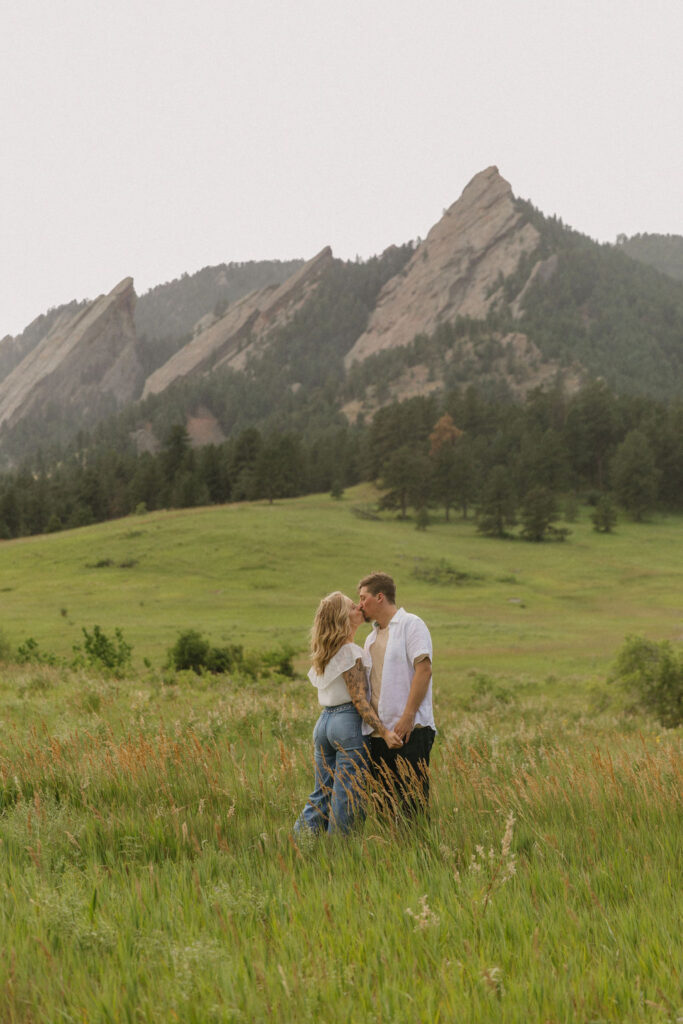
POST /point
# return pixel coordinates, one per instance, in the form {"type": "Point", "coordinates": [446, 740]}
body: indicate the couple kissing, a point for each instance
{"type": "Point", "coordinates": [376, 721]}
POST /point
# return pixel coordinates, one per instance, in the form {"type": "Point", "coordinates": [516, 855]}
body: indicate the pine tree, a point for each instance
{"type": "Point", "coordinates": [604, 517]}
{"type": "Point", "coordinates": [635, 476]}
{"type": "Point", "coordinates": [497, 505]}
{"type": "Point", "coordinates": [539, 513]}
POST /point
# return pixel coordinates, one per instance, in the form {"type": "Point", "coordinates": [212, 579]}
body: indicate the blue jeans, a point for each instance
{"type": "Point", "coordinates": [340, 764]}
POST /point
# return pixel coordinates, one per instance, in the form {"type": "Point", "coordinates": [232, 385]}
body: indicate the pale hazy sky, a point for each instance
{"type": "Point", "coordinates": [154, 137]}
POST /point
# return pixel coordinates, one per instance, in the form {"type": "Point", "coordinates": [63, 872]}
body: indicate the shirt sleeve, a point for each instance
{"type": "Point", "coordinates": [345, 658]}
{"type": "Point", "coordinates": [418, 641]}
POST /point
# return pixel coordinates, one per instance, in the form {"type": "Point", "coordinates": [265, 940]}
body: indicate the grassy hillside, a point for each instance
{"type": "Point", "coordinates": [253, 573]}
{"type": "Point", "coordinates": [148, 872]}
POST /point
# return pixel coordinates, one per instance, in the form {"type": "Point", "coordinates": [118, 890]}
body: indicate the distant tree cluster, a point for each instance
{"type": "Point", "coordinates": [107, 483]}
{"type": "Point", "coordinates": [521, 464]}
{"type": "Point", "coordinates": [663, 252]}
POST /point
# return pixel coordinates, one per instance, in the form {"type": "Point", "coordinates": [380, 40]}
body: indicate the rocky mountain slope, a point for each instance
{"type": "Point", "coordinates": [457, 271]}
{"type": "Point", "coordinates": [85, 361]}
{"type": "Point", "coordinates": [243, 330]}
{"type": "Point", "coordinates": [497, 295]}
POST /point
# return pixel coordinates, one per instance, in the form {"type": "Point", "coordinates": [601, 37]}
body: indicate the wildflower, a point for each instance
{"type": "Point", "coordinates": [426, 917]}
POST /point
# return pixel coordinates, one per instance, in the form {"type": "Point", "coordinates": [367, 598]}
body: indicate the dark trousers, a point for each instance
{"type": "Point", "coordinates": [402, 775]}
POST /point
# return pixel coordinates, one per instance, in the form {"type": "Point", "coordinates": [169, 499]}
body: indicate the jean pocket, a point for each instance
{"type": "Point", "coordinates": [346, 729]}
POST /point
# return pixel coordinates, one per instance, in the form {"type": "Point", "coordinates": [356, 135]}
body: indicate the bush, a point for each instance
{"type": "Point", "coordinates": [442, 573]}
{"type": "Point", "coordinates": [190, 651]}
{"type": "Point", "coordinates": [653, 674]}
{"type": "Point", "coordinates": [193, 652]}
{"type": "Point", "coordinates": [280, 660]}
{"type": "Point", "coordinates": [100, 651]}
{"type": "Point", "coordinates": [221, 660]}
{"type": "Point", "coordinates": [29, 653]}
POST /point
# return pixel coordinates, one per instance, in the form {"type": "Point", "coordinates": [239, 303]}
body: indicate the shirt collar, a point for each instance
{"type": "Point", "coordinates": [399, 613]}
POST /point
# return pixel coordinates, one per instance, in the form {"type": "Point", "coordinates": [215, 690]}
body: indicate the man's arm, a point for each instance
{"type": "Point", "coordinates": [357, 686]}
{"type": "Point", "coordinates": [418, 691]}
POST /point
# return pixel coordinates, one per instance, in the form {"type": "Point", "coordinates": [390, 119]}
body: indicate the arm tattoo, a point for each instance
{"type": "Point", "coordinates": [355, 681]}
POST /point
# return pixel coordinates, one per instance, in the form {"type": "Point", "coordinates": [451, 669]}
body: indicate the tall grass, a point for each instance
{"type": "Point", "coordinates": [149, 873]}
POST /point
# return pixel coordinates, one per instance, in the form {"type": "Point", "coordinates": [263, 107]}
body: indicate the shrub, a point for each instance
{"type": "Point", "coordinates": [29, 653]}
{"type": "Point", "coordinates": [653, 674]}
{"type": "Point", "coordinates": [280, 660]}
{"type": "Point", "coordinates": [224, 659]}
{"type": "Point", "coordinates": [190, 651]}
{"type": "Point", "coordinates": [100, 651]}
{"type": "Point", "coordinates": [442, 573]}
{"type": "Point", "coordinates": [193, 652]}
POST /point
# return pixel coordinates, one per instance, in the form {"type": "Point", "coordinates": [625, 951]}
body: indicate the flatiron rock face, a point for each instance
{"type": "Point", "coordinates": [244, 328]}
{"type": "Point", "coordinates": [83, 359]}
{"type": "Point", "coordinates": [455, 271]}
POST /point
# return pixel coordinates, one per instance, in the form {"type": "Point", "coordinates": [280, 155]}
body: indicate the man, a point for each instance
{"type": "Point", "coordinates": [400, 651]}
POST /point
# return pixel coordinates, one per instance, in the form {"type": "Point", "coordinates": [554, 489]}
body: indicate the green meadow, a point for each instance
{"type": "Point", "coordinates": [147, 867]}
{"type": "Point", "coordinates": [254, 573]}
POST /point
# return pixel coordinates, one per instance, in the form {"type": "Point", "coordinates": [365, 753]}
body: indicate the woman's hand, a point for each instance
{"type": "Point", "coordinates": [392, 739]}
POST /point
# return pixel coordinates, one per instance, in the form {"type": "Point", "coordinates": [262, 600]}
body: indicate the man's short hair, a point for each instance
{"type": "Point", "coordinates": [380, 583]}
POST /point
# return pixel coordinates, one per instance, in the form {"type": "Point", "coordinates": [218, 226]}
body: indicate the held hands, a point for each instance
{"type": "Point", "coordinates": [392, 739]}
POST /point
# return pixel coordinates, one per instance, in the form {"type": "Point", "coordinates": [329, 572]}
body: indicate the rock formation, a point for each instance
{"type": "Point", "coordinates": [82, 360]}
{"type": "Point", "coordinates": [457, 269]}
{"type": "Point", "coordinates": [244, 329]}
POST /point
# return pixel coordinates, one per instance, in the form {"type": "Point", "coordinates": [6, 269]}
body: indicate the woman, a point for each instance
{"type": "Point", "coordinates": [340, 746]}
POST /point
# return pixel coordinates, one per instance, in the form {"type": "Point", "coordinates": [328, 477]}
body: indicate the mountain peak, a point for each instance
{"type": "Point", "coordinates": [455, 271]}
{"type": "Point", "coordinates": [83, 357]}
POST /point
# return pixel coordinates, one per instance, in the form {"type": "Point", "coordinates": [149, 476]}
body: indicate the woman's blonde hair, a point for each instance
{"type": "Point", "coordinates": [330, 630]}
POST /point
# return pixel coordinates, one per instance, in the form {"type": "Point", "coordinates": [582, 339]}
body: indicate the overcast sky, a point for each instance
{"type": "Point", "coordinates": [154, 137]}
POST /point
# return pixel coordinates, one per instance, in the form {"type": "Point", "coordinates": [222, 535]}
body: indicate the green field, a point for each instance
{"type": "Point", "coordinates": [254, 573]}
{"type": "Point", "coordinates": [148, 871]}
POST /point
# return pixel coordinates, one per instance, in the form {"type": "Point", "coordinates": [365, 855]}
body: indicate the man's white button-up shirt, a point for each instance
{"type": "Point", "coordinates": [408, 639]}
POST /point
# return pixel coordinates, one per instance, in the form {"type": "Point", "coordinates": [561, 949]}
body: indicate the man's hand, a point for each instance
{"type": "Point", "coordinates": [418, 690]}
{"type": "Point", "coordinates": [404, 726]}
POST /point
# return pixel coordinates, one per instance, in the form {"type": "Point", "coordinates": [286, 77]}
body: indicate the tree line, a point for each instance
{"type": "Point", "coordinates": [463, 452]}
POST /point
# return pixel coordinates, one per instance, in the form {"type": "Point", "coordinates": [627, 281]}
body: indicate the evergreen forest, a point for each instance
{"type": "Point", "coordinates": [463, 452]}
